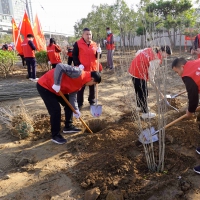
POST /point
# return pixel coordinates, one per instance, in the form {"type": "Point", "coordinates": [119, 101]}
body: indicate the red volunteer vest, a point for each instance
{"type": "Point", "coordinates": [192, 70]}
{"type": "Point", "coordinates": [54, 56]}
{"type": "Point", "coordinates": [87, 55]}
{"type": "Point", "coordinates": [27, 51]}
{"type": "Point", "coordinates": [140, 64]}
{"type": "Point", "coordinates": [68, 85]}
{"type": "Point", "coordinates": [108, 45]}
{"type": "Point", "coordinates": [69, 54]}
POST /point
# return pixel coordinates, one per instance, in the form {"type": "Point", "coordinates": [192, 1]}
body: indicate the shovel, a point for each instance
{"type": "Point", "coordinates": [96, 110]}
{"type": "Point", "coordinates": [169, 96]}
{"type": "Point", "coordinates": [150, 135]}
{"type": "Point", "coordinates": [74, 111]}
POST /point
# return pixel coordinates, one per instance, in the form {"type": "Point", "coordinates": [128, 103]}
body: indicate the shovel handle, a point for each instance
{"type": "Point", "coordinates": [74, 111]}
{"type": "Point", "coordinates": [98, 55]}
{"type": "Point", "coordinates": [180, 118]}
{"type": "Point", "coordinates": [180, 93]}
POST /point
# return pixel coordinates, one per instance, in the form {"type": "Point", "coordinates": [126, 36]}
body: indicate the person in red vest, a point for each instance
{"type": "Point", "coordinates": [53, 53]}
{"type": "Point", "coordinates": [85, 56]}
{"type": "Point", "coordinates": [142, 69]}
{"type": "Point", "coordinates": [29, 54]}
{"type": "Point", "coordinates": [69, 54]}
{"type": "Point", "coordinates": [110, 46]}
{"type": "Point", "coordinates": [189, 71]}
{"type": "Point", "coordinates": [69, 80]}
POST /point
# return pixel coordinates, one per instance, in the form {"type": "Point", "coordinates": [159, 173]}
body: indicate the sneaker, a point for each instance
{"type": "Point", "coordinates": [148, 115]}
{"type": "Point", "coordinates": [112, 68]}
{"type": "Point", "coordinates": [198, 150]}
{"type": "Point", "coordinates": [35, 79]}
{"type": "Point", "coordinates": [71, 129]}
{"type": "Point", "coordinates": [197, 169]}
{"type": "Point", "coordinates": [59, 139]}
{"type": "Point", "coordinates": [30, 79]}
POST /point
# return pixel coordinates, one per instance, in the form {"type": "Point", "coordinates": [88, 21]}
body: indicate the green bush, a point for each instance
{"type": "Point", "coordinates": [7, 60]}
{"type": "Point", "coordinates": [42, 60]}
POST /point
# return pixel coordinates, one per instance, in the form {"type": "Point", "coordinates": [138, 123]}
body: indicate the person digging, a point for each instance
{"type": "Point", "coordinates": [189, 71]}
{"type": "Point", "coordinates": [69, 80]}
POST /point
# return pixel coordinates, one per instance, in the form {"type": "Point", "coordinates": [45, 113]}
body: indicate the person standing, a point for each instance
{"type": "Point", "coordinates": [85, 56]}
{"type": "Point", "coordinates": [29, 54]}
{"type": "Point", "coordinates": [53, 53]}
{"type": "Point", "coordinates": [110, 46]}
{"type": "Point", "coordinates": [189, 71]}
{"type": "Point", "coordinates": [68, 80]}
{"type": "Point", "coordinates": [69, 54]}
{"type": "Point", "coordinates": [142, 69]}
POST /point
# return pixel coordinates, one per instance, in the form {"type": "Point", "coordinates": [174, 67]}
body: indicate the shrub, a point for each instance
{"type": "Point", "coordinates": [42, 60]}
{"type": "Point", "coordinates": [7, 60]}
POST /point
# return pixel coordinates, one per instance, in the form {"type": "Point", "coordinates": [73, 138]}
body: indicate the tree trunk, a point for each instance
{"type": "Point", "coordinates": [170, 39]}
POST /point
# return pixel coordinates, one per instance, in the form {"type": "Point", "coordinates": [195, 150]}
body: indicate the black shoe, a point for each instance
{"type": "Point", "coordinates": [71, 129]}
{"type": "Point", "coordinates": [197, 169]}
{"type": "Point", "coordinates": [59, 139]}
{"type": "Point", "coordinates": [198, 150]}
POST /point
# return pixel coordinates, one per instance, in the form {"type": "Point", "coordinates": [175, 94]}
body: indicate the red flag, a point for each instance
{"type": "Point", "coordinates": [16, 37]}
{"type": "Point", "coordinates": [39, 35]}
{"type": "Point", "coordinates": [26, 27]}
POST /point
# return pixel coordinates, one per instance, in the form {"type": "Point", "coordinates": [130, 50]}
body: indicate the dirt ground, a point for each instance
{"type": "Point", "coordinates": [111, 159]}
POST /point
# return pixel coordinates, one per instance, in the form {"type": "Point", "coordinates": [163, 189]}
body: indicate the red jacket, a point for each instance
{"type": "Point", "coordinates": [68, 85]}
{"type": "Point", "coordinates": [27, 51]}
{"type": "Point", "coordinates": [140, 64]}
{"type": "Point", "coordinates": [53, 53]}
{"type": "Point", "coordinates": [87, 55]}
{"type": "Point", "coordinates": [192, 70]}
{"type": "Point", "coordinates": [108, 45]}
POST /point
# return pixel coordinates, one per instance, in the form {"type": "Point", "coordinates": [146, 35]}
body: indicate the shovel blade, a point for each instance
{"type": "Point", "coordinates": [96, 110]}
{"type": "Point", "coordinates": [148, 136]}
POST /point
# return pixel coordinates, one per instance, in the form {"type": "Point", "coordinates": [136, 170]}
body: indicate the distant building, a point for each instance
{"type": "Point", "coordinates": [15, 9]}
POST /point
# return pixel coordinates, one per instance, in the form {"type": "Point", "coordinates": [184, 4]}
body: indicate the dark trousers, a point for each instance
{"type": "Point", "coordinates": [70, 60]}
{"type": "Point", "coordinates": [141, 92]}
{"type": "Point", "coordinates": [54, 65]}
{"type": "Point", "coordinates": [23, 59]}
{"type": "Point", "coordinates": [52, 102]}
{"type": "Point", "coordinates": [31, 67]}
{"type": "Point", "coordinates": [91, 98]}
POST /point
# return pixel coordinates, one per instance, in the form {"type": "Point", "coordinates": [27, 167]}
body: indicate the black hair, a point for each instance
{"type": "Point", "coordinates": [86, 29]}
{"type": "Point", "coordinates": [178, 62]}
{"type": "Point", "coordinates": [52, 41]}
{"type": "Point", "coordinates": [108, 28]}
{"type": "Point", "coordinates": [167, 49]}
{"type": "Point", "coordinates": [96, 75]}
{"type": "Point", "coordinates": [30, 36]}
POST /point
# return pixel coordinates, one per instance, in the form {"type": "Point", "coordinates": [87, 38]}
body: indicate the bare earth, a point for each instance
{"type": "Point", "coordinates": [110, 159]}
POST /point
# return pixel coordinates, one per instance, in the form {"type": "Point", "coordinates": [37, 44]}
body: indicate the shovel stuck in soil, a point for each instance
{"type": "Point", "coordinates": [169, 96]}
{"type": "Point", "coordinates": [150, 135]}
{"type": "Point", "coordinates": [74, 111]}
{"type": "Point", "coordinates": [96, 110]}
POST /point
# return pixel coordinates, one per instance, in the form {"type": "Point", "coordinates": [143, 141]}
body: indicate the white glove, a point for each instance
{"type": "Point", "coordinates": [56, 87]}
{"type": "Point", "coordinates": [77, 116]}
{"type": "Point", "coordinates": [81, 67]}
{"type": "Point", "coordinates": [105, 41]}
{"type": "Point", "coordinates": [99, 50]}
{"type": "Point", "coordinates": [49, 62]}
